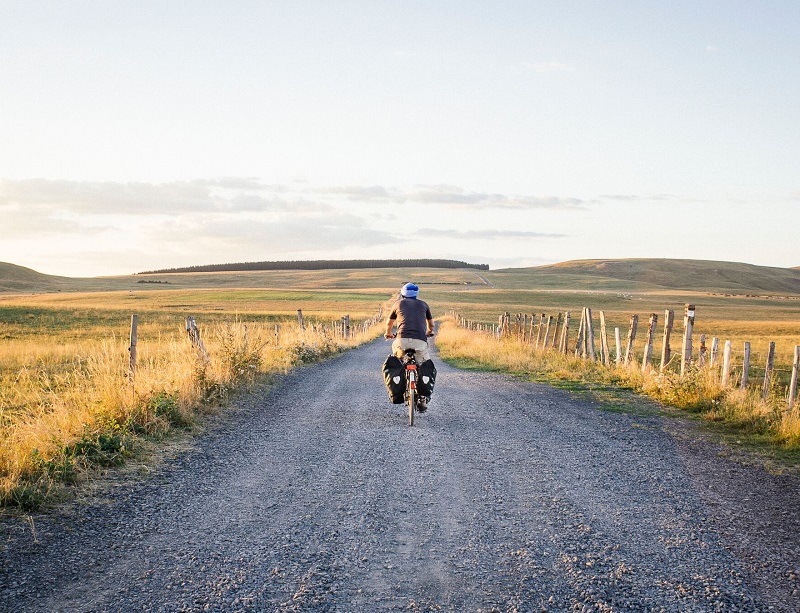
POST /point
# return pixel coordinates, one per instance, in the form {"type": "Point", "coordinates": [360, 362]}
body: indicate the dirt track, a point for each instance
{"type": "Point", "coordinates": [504, 496]}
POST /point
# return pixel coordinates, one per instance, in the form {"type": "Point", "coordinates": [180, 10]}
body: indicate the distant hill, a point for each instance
{"type": "Point", "coordinates": [15, 278]}
{"type": "Point", "coordinates": [643, 274]}
{"type": "Point", "coordinates": [320, 265]}
{"type": "Point", "coordinates": [625, 276]}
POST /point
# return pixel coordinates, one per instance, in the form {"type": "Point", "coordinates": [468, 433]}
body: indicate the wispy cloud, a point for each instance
{"type": "Point", "coordinates": [487, 234]}
{"type": "Point", "coordinates": [449, 195]}
{"type": "Point", "coordinates": [288, 234]}
{"type": "Point", "coordinates": [110, 198]}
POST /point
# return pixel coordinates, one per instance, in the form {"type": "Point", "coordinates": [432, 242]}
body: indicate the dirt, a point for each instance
{"type": "Point", "coordinates": [505, 496]}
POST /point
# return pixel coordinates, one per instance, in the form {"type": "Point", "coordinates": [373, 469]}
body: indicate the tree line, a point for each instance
{"type": "Point", "coordinates": [321, 265]}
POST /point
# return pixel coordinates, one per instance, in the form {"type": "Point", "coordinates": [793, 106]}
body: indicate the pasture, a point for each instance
{"type": "Point", "coordinates": [68, 401]}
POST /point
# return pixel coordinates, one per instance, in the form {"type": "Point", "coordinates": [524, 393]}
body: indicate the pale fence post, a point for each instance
{"type": "Point", "coordinates": [604, 340]}
{"type": "Point", "coordinates": [726, 364]}
{"type": "Point", "coordinates": [666, 352]}
{"type": "Point", "coordinates": [300, 319]}
{"type": "Point", "coordinates": [714, 352]}
{"type": "Point", "coordinates": [565, 333]}
{"type": "Point", "coordinates": [533, 324]}
{"type": "Point", "coordinates": [555, 331]}
{"type": "Point", "coordinates": [278, 335]}
{"type": "Point", "coordinates": [194, 337]}
{"type": "Point", "coordinates": [539, 331]}
{"type": "Point", "coordinates": [648, 348]}
{"type": "Point", "coordinates": [132, 347]}
{"type": "Point", "coordinates": [768, 371]}
{"type": "Point", "coordinates": [547, 331]}
{"type": "Point", "coordinates": [793, 381]}
{"type": "Point", "coordinates": [631, 338]}
{"type": "Point", "coordinates": [579, 345]}
{"type": "Point", "coordinates": [745, 365]}
{"type": "Point", "coordinates": [618, 343]}
{"type": "Point", "coordinates": [590, 335]}
{"type": "Point", "coordinates": [688, 324]}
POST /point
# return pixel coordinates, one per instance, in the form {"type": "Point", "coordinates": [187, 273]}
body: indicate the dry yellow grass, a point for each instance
{"type": "Point", "coordinates": [700, 390]}
{"type": "Point", "coordinates": [68, 405]}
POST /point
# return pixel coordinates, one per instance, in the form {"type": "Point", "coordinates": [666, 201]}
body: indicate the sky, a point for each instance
{"type": "Point", "coordinates": [145, 135]}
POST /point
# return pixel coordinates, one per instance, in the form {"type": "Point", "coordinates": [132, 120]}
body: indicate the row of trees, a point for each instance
{"type": "Point", "coordinates": [321, 265]}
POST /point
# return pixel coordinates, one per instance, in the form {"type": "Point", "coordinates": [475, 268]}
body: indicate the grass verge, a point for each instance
{"type": "Point", "coordinates": [741, 416]}
{"type": "Point", "coordinates": [62, 419]}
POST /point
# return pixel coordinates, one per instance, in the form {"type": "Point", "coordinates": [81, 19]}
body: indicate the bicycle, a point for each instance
{"type": "Point", "coordinates": [410, 365]}
{"type": "Point", "coordinates": [409, 362]}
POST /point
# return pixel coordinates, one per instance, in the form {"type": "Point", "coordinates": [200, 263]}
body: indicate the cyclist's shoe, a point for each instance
{"type": "Point", "coordinates": [422, 404]}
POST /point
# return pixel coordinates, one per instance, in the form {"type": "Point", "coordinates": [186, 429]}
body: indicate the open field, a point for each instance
{"type": "Point", "coordinates": [68, 402]}
{"type": "Point", "coordinates": [64, 387]}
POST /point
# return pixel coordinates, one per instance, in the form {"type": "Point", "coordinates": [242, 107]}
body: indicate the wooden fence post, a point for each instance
{"type": "Point", "coordinates": [726, 364]}
{"type": "Point", "coordinates": [666, 352]}
{"type": "Point", "coordinates": [564, 334]}
{"type": "Point", "coordinates": [701, 359]}
{"type": "Point", "coordinates": [539, 331]}
{"type": "Point", "coordinates": [132, 346]}
{"type": "Point", "coordinates": [604, 340]}
{"type": "Point", "coordinates": [555, 331]}
{"type": "Point", "coordinates": [745, 365]}
{"type": "Point", "coordinates": [590, 335]}
{"type": "Point", "coordinates": [194, 337]}
{"type": "Point", "coordinates": [648, 348]}
{"type": "Point", "coordinates": [714, 352]}
{"type": "Point", "coordinates": [579, 345]}
{"type": "Point", "coordinates": [631, 337]}
{"type": "Point", "coordinates": [688, 324]}
{"type": "Point", "coordinates": [300, 319]}
{"type": "Point", "coordinates": [547, 331]}
{"type": "Point", "coordinates": [768, 371]}
{"type": "Point", "coordinates": [793, 381]}
{"type": "Point", "coordinates": [277, 335]}
{"type": "Point", "coordinates": [618, 343]}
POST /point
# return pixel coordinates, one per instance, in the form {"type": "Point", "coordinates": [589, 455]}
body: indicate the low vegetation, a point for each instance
{"type": "Point", "coordinates": [69, 404]}
{"type": "Point", "coordinates": [699, 391]}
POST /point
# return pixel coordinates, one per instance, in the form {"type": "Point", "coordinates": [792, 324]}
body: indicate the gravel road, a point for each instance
{"type": "Point", "coordinates": [506, 496]}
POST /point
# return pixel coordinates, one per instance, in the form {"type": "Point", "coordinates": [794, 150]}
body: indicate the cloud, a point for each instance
{"type": "Point", "coordinates": [41, 198]}
{"type": "Point", "coordinates": [487, 234]}
{"type": "Point", "coordinates": [357, 192]}
{"type": "Point", "coordinates": [445, 194]}
{"type": "Point", "coordinates": [257, 236]}
{"type": "Point", "coordinates": [712, 48]}
{"type": "Point", "coordinates": [639, 198]}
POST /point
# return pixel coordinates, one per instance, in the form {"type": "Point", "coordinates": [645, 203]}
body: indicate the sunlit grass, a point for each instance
{"type": "Point", "coordinates": [68, 401]}
{"type": "Point", "coordinates": [699, 391]}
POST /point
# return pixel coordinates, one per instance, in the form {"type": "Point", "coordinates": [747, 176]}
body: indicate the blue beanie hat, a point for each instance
{"type": "Point", "coordinates": [409, 290]}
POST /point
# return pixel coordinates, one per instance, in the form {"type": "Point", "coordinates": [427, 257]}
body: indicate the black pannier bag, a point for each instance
{"type": "Point", "coordinates": [395, 378]}
{"type": "Point", "coordinates": [426, 378]}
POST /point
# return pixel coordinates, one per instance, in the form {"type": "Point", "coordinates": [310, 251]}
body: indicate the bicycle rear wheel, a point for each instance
{"type": "Point", "coordinates": [412, 401]}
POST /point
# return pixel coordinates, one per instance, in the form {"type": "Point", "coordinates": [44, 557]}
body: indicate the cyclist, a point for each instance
{"type": "Point", "coordinates": [414, 326]}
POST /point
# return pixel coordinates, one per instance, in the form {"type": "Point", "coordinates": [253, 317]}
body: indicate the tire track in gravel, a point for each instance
{"type": "Point", "coordinates": [318, 497]}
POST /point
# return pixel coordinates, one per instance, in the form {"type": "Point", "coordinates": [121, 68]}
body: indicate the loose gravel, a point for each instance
{"type": "Point", "coordinates": [505, 496]}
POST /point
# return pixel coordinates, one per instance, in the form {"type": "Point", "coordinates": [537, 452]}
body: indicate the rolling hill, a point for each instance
{"type": "Point", "coordinates": [653, 274]}
{"type": "Point", "coordinates": [629, 275]}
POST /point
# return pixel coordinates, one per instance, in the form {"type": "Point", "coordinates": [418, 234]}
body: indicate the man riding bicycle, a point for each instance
{"type": "Point", "coordinates": [414, 326]}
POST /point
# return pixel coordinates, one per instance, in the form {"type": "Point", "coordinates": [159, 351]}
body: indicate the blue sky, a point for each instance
{"type": "Point", "coordinates": [140, 135]}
